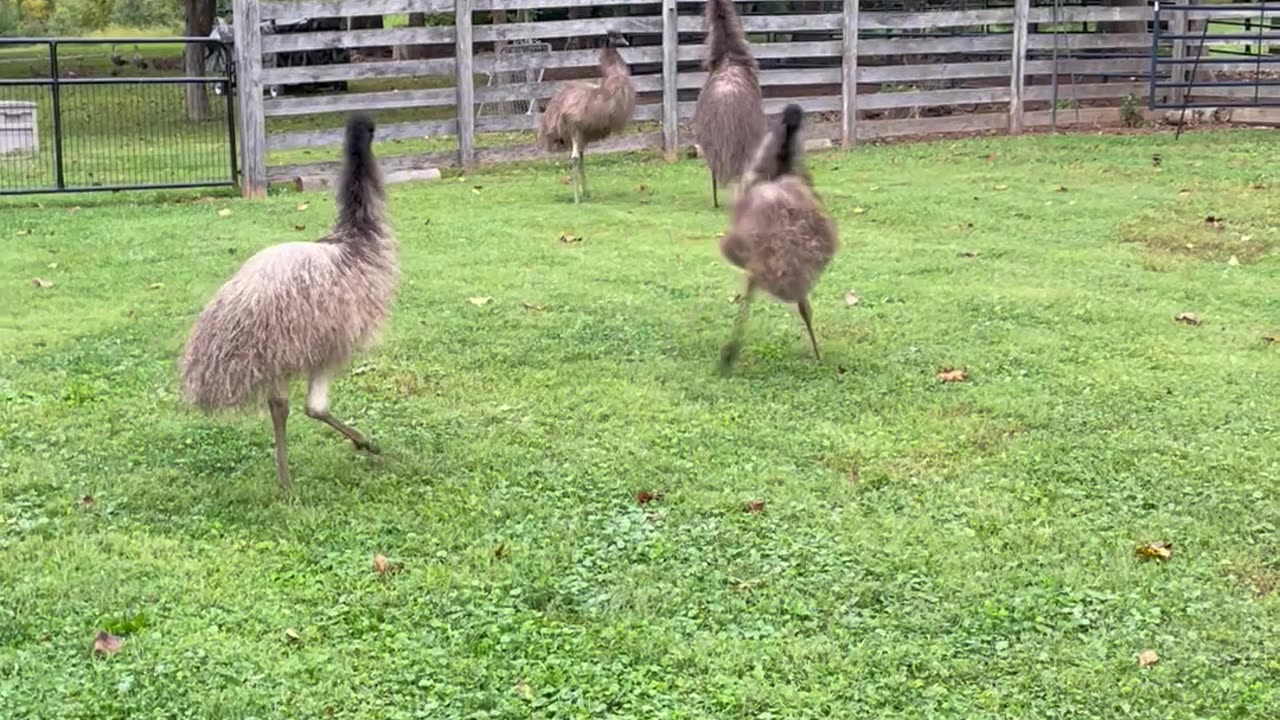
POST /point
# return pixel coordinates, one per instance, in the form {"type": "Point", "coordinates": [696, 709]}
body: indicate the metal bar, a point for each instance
{"type": "Point", "coordinates": [1220, 83]}
{"type": "Point", "coordinates": [231, 114]}
{"type": "Point", "coordinates": [57, 115]}
{"type": "Point", "coordinates": [1155, 51]}
{"type": "Point", "coordinates": [122, 188]}
{"type": "Point", "coordinates": [1265, 59]}
{"type": "Point", "coordinates": [110, 41]}
{"type": "Point", "coordinates": [1223, 36]}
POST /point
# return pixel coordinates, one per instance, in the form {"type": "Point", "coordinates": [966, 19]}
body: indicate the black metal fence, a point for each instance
{"type": "Point", "coordinates": [1221, 59]}
{"type": "Point", "coordinates": [80, 114]}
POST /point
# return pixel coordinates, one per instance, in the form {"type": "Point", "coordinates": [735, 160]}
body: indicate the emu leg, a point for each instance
{"type": "Point", "coordinates": [715, 199]}
{"type": "Point", "coordinates": [279, 407]}
{"type": "Point", "coordinates": [806, 312]}
{"type": "Point", "coordinates": [318, 409]}
{"type": "Point", "coordinates": [578, 184]}
{"type": "Point", "coordinates": [729, 353]}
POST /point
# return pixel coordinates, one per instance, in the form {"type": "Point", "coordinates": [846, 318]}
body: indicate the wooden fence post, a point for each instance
{"type": "Point", "coordinates": [1017, 75]}
{"type": "Point", "coordinates": [849, 75]}
{"type": "Point", "coordinates": [253, 123]}
{"type": "Point", "coordinates": [670, 73]}
{"type": "Point", "coordinates": [464, 78]}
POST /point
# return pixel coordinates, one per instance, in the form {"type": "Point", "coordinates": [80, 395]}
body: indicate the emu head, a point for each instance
{"type": "Point", "coordinates": [615, 39]}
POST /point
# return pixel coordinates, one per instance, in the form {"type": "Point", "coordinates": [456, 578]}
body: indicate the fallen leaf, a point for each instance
{"type": "Point", "coordinates": [303, 206]}
{"type": "Point", "coordinates": [224, 212]}
{"type": "Point", "coordinates": [1270, 339]}
{"type": "Point", "coordinates": [54, 266]}
{"type": "Point", "coordinates": [292, 636]}
{"type": "Point", "coordinates": [565, 180]}
{"type": "Point", "coordinates": [383, 566]}
{"type": "Point", "coordinates": [523, 690]}
{"type": "Point", "coordinates": [755, 506]}
{"type": "Point", "coordinates": [23, 233]}
{"type": "Point", "coordinates": [1189, 318]}
{"type": "Point", "coordinates": [156, 286]}
{"type": "Point", "coordinates": [107, 644]}
{"type": "Point", "coordinates": [852, 298]}
{"type": "Point", "coordinates": [1215, 222]}
{"type": "Point", "coordinates": [642, 189]}
{"type": "Point", "coordinates": [1184, 192]}
{"type": "Point", "coordinates": [644, 497]}
{"type": "Point", "coordinates": [1062, 188]}
{"type": "Point", "coordinates": [480, 300]}
{"type": "Point", "coordinates": [570, 239]}
{"type": "Point", "coordinates": [1258, 186]}
{"type": "Point", "coordinates": [969, 253]}
{"type": "Point", "coordinates": [476, 189]}
{"type": "Point", "coordinates": [1233, 261]}
{"type": "Point", "coordinates": [1154, 551]}
{"type": "Point", "coordinates": [500, 551]}
{"type": "Point", "coordinates": [1156, 160]}
{"type": "Point", "coordinates": [859, 210]}
{"type": "Point", "coordinates": [299, 228]}
{"type": "Point", "coordinates": [1002, 187]}
{"type": "Point", "coordinates": [991, 157]}
{"type": "Point", "coordinates": [41, 283]}
{"type": "Point", "coordinates": [1243, 239]}
{"type": "Point", "coordinates": [87, 501]}
{"type": "Point", "coordinates": [1147, 658]}
{"type": "Point", "coordinates": [950, 375]}
{"type": "Point", "coordinates": [534, 308]}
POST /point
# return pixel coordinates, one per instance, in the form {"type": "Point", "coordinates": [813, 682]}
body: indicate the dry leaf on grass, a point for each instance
{"type": "Point", "coordinates": [754, 506]}
{"type": "Point", "coordinates": [1154, 551]}
{"type": "Point", "coordinates": [950, 375]}
{"type": "Point", "coordinates": [1189, 318]}
{"type": "Point", "coordinates": [1234, 261]}
{"type": "Point", "coordinates": [107, 644]}
{"type": "Point", "coordinates": [644, 497]}
{"type": "Point", "coordinates": [969, 253]}
{"type": "Point", "coordinates": [299, 227]}
{"type": "Point", "coordinates": [500, 551]}
{"type": "Point", "coordinates": [523, 691]}
{"type": "Point", "coordinates": [565, 179]}
{"type": "Point", "coordinates": [568, 239]}
{"type": "Point", "coordinates": [156, 286]}
{"type": "Point", "coordinates": [383, 566]}
{"type": "Point", "coordinates": [1147, 658]}
{"type": "Point", "coordinates": [87, 501]}
{"type": "Point", "coordinates": [53, 266]}
{"type": "Point", "coordinates": [852, 298]}
{"type": "Point", "coordinates": [42, 283]}
{"type": "Point", "coordinates": [303, 206]}
{"type": "Point", "coordinates": [859, 210]}
{"type": "Point", "coordinates": [224, 212]}
{"type": "Point", "coordinates": [1215, 222]}
{"type": "Point", "coordinates": [479, 300]}
{"type": "Point", "coordinates": [1062, 188]}
{"type": "Point", "coordinates": [1270, 339]}
{"type": "Point", "coordinates": [476, 189]}
{"type": "Point", "coordinates": [292, 636]}
{"type": "Point", "coordinates": [534, 308]}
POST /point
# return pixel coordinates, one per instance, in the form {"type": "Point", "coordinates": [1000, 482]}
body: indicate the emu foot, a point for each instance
{"type": "Point", "coordinates": [367, 446]}
{"type": "Point", "coordinates": [728, 356]}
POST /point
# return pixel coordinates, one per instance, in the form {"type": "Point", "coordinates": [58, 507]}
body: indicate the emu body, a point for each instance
{"type": "Point", "coordinates": [729, 117]}
{"type": "Point", "coordinates": [300, 309]}
{"type": "Point", "coordinates": [781, 236]}
{"type": "Point", "coordinates": [582, 112]}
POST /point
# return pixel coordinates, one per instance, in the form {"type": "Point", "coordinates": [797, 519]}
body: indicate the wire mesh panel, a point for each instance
{"type": "Point", "coordinates": [516, 106]}
{"type": "Point", "coordinates": [78, 115]}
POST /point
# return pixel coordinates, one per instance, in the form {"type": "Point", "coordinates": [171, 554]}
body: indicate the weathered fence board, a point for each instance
{"type": "Point", "coordinates": [881, 73]}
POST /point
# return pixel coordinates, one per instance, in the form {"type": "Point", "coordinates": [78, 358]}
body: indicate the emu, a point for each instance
{"type": "Point", "coordinates": [729, 118]}
{"type": "Point", "coordinates": [301, 309]}
{"type": "Point", "coordinates": [581, 111]}
{"type": "Point", "coordinates": [780, 235]}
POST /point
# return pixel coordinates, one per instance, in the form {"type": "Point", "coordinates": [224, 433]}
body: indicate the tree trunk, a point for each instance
{"type": "Point", "coordinates": [199, 23]}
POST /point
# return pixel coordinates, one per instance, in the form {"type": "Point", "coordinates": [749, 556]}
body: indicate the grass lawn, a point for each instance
{"type": "Point", "coordinates": [920, 549]}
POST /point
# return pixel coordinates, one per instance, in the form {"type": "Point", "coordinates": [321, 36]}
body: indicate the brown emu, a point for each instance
{"type": "Point", "coordinates": [300, 309]}
{"type": "Point", "coordinates": [582, 111]}
{"type": "Point", "coordinates": [780, 235]}
{"type": "Point", "coordinates": [729, 118]}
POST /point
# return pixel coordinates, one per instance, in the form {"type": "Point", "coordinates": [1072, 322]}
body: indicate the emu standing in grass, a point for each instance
{"type": "Point", "coordinates": [582, 111]}
{"type": "Point", "coordinates": [729, 118]}
{"type": "Point", "coordinates": [300, 309]}
{"type": "Point", "coordinates": [781, 235]}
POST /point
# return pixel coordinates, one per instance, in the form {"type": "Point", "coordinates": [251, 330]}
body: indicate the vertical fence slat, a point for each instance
{"type": "Point", "coordinates": [849, 75]}
{"type": "Point", "coordinates": [1018, 64]}
{"type": "Point", "coordinates": [670, 73]}
{"type": "Point", "coordinates": [253, 123]}
{"type": "Point", "coordinates": [465, 80]}
{"type": "Point", "coordinates": [1178, 72]}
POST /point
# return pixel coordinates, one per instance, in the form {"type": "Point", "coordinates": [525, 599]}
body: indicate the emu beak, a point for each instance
{"type": "Point", "coordinates": [617, 40]}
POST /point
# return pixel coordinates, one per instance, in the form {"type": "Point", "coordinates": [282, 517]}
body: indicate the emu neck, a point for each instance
{"type": "Point", "coordinates": [612, 64]}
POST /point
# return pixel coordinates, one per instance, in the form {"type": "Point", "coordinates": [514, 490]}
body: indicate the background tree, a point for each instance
{"type": "Point", "coordinates": [198, 23]}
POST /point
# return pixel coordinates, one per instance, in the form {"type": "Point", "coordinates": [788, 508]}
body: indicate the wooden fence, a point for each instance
{"type": "Point", "coordinates": [862, 73]}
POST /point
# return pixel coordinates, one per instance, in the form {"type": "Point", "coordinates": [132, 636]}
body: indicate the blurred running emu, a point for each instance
{"type": "Point", "coordinates": [780, 235]}
{"type": "Point", "coordinates": [582, 111]}
{"type": "Point", "coordinates": [729, 118]}
{"type": "Point", "coordinates": [300, 309]}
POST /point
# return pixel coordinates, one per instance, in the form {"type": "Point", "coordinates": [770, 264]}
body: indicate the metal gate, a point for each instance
{"type": "Point", "coordinates": [1215, 55]}
{"type": "Point", "coordinates": [81, 114]}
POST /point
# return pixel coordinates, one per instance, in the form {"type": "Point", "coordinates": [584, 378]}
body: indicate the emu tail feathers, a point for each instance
{"type": "Point", "coordinates": [360, 191]}
{"type": "Point", "coordinates": [725, 38]}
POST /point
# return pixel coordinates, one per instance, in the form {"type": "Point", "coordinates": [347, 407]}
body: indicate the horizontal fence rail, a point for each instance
{"type": "Point", "coordinates": [865, 72]}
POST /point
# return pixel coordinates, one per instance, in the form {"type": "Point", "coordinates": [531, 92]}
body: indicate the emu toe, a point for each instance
{"type": "Point", "coordinates": [367, 446]}
{"type": "Point", "coordinates": [728, 356]}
